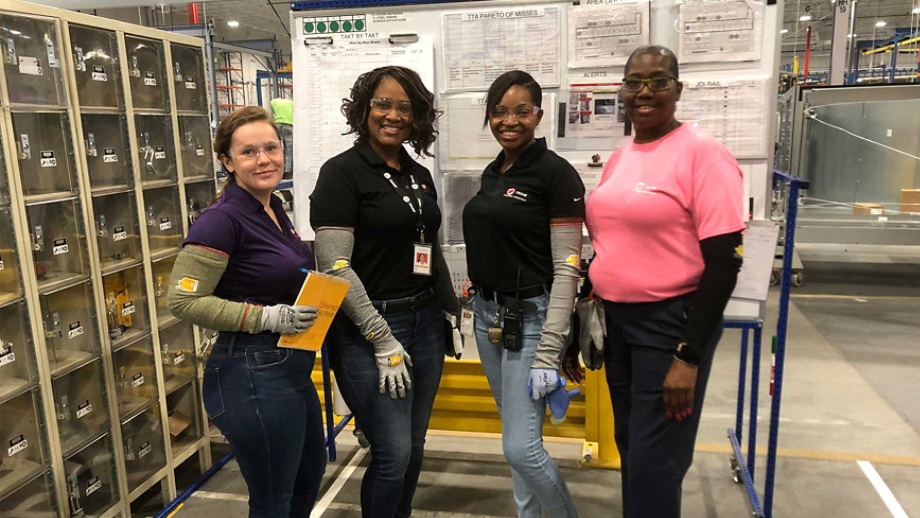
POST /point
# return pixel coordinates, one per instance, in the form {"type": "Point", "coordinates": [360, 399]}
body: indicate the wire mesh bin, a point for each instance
{"type": "Point", "coordinates": [96, 67]}
{"type": "Point", "coordinates": [10, 286]}
{"type": "Point", "coordinates": [92, 486]}
{"type": "Point", "coordinates": [135, 377]}
{"type": "Point", "coordinates": [58, 245]}
{"type": "Point", "coordinates": [17, 361]}
{"type": "Point", "coordinates": [45, 154]}
{"type": "Point", "coordinates": [185, 426]}
{"type": "Point", "coordinates": [80, 407]}
{"type": "Point", "coordinates": [156, 150]}
{"type": "Point", "coordinates": [146, 67]}
{"type": "Point", "coordinates": [195, 139]}
{"type": "Point", "coordinates": [117, 231]}
{"type": "Point", "coordinates": [106, 140]}
{"type": "Point", "coordinates": [163, 219]}
{"type": "Point", "coordinates": [23, 453]}
{"type": "Point", "coordinates": [69, 330]}
{"type": "Point", "coordinates": [125, 305]}
{"type": "Point", "coordinates": [197, 198]}
{"type": "Point", "coordinates": [31, 60]}
{"type": "Point", "coordinates": [177, 351]}
{"type": "Point", "coordinates": [145, 452]}
{"type": "Point", "coordinates": [190, 84]}
{"type": "Point", "coordinates": [162, 270]}
{"type": "Point", "coordinates": [35, 499]}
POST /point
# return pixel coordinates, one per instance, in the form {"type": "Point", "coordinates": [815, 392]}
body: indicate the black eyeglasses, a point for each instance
{"type": "Point", "coordinates": [403, 107]}
{"type": "Point", "coordinates": [656, 84]}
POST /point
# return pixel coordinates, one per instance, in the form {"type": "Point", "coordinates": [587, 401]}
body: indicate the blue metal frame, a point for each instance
{"type": "Point", "coordinates": [746, 467]}
{"type": "Point", "coordinates": [261, 74]}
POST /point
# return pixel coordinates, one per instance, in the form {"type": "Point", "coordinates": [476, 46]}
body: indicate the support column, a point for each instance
{"type": "Point", "coordinates": [839, 40]}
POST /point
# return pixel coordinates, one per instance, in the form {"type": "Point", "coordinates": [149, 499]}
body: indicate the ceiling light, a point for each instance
{"type": "Point", "coordinates": [233, 23]}
{"type": "Point", "coordinates": [851, 35]}
{"type": "Point", "coordinates": [805, 18]}
{"type": "Point", "coordinates": [784, 31]}
{"type": "Point", "coordinates": [916, 10]}
{"type": "Point", "coordinates": [881, 23]}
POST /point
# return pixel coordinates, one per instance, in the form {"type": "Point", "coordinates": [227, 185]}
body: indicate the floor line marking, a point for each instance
{"type": "Point", "coordinates": [887, 496]}
{"type": "Point", "coordinates": [339, 483]}
{"type": "Point", "coordinates": [212, 495]}
{"type": "Point", "coordinates": [818, 455]}
{"type": "Point", "coordinates": [853, 297]}
{"type": "Point", "coordinates": [419, 513]}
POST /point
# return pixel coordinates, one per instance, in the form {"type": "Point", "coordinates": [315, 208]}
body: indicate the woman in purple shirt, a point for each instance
{"type": "Point", "coordinates": [239, 273]}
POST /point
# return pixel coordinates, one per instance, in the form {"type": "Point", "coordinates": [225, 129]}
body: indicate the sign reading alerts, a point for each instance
{"type": "Point", "coordinates": [333, 24]}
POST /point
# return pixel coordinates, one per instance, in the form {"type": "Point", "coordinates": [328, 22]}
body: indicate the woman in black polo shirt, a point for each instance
{"type": "Point", "coordinates": [376, 217]}
{"type": "Point", "coordinates": [523, 233]}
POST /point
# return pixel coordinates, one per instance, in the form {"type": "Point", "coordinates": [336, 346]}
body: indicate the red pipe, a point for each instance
{"type": "Point", "coordinates": [807, 52]}
{"type": "Point", "coordinates": [193, 14]}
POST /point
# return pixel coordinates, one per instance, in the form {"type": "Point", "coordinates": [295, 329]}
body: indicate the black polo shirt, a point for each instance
{"type": "Point", "coordinates": [352, 192]}
{"type": "Point", "coordinates": [506, 225]}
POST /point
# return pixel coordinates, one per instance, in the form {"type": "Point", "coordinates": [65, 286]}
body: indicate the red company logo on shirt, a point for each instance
{"type": "Point", "coordinates": [645, 189]}
{"type": "Point", "coordinates": [516, 194]}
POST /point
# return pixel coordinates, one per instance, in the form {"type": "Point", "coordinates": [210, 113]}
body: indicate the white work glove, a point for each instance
{"type": "Point", "coordinates": [391, 366]}
{"type": "Point", "coordinates": [542, 382]}
{"type": "Point", "coordinates": [288, 320]}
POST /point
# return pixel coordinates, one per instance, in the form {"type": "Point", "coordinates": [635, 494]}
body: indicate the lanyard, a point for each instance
{"type": "Point", "coordinates": [408, 199]}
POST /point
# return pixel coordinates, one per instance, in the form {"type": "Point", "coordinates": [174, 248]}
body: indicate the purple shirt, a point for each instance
{"type": "Point", "coordinates": [265, 262]}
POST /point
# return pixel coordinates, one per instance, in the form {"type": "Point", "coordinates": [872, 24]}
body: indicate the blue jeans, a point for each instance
{"type": "Point", "coordinates": [538, 484]}
{"type": "Point", "coordinates": [395, 428]}
{"type": "Point", "coordinates": [655, 450]}
{"type": "Point", "coordinates": [262, 399]}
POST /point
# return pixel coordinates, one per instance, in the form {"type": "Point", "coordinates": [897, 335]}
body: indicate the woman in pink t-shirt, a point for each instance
{"type": "Point", "coordinates": [665, 222]}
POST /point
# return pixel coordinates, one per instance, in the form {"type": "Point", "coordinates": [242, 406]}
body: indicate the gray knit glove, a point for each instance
{"type": "Point", "coordinates": [288, 320]}
{"type": "Point", "coordinates": [391, 366]}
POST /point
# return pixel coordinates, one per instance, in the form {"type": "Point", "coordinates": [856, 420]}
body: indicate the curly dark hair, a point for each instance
{"type": "Point", "coordinates": [424, 115]}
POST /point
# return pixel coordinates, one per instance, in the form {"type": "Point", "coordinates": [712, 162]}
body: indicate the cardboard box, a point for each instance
{"type": "Point", "coordinates": [910, 201]}
{"type": "Point", "coordinates": [869, 209]}
{"type": "Point", "coordinates": [178, 422]}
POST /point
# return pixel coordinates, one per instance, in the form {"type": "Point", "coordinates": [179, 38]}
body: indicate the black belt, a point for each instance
{"type": "Point", "coordinates": [414, 303]}
{"type": "Point", "coordinates": [522, 294]}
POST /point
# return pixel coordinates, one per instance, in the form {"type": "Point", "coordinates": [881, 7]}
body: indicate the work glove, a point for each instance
{"type": "Point", "coordinates": [453, 340]}
{"type": "Point", "coordinates": [592, 330]}
{"type": "Point", "coordinates": [558, 401]}
{"type": "Point", "coordinates": [542, 382]}
{"type": "Point", "coordinates": [288, 320]}
{"type": "Point", "coordinates": [391, 366]}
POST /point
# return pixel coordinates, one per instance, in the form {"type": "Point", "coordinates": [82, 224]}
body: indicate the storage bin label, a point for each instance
{"type": "Point", "coordinates": [93, 485]}
{"type": "Point", "coordinates": [119, 234]}
{"type": "Point", "coordinates": [99, 74]}
{"type": "Point", "coordinates": [109, 155]}
{"type": "Point", "coordinates": [84, 409]}
{"type": "Point", "coordinates": [190, 83]}
{"type": "Point", "coordinates": [199, 150]}
{"type": "Point", "coordinates": [150, 79]}
{"type": "Point", "coordinates": [48, 159]}
{"type": "Point", "coordinates": [180, 357]}
{"type": "Point", "coordinates": [7, 358]}
{"type": "Point", "coordinates": [29, 66]}
{"type": "Point", "coordinates": [159, 153]}
{"type": "Point", "coordinates": [127, 308]}
{"type": "Point", "coordinates": [145, 449]}
{"type": "Point", "coordinates": [60, 246]}
{"type": "Point", "coordinates": [138, 380]}
{"type": "Point", "coordinates": [17, 444]}
{"type": "Point", "coordinates": [75, 330]}
{"type": "Point", "coordinates": [165, 224]}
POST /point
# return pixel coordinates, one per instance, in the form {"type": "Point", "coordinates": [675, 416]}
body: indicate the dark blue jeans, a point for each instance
{"type": "Point", "coordinates": [655, 450]}
{"type": "Point", "coordinates": [395, 428]}
{"type": "Point", "coordinates": [263, 400]}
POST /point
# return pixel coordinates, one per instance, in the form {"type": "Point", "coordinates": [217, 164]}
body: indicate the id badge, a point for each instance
{"type": "Point", "coordinates": [466, 323]}
{"type": "Point", "coordinates": [421, 260]}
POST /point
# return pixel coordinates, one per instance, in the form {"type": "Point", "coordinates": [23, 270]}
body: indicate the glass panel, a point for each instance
{"type": "Point", "coordinates": [195, 138]}
{"type": "Point", "coordinates": [162, 270]}
{"type": "Point", "coordinates": [96, 67]}
{"type": "Point", "coordinates": [148, 75]}
{"type": "Point", "coordinates": [92, 486]}
{"type": "Point", "coordinates": [149, 503]}
{"type": "Point", "coordinates": [57, 243]}
{"type": "Point", "coordinates": [79, 402]}
{"type": "Point", "coordinates": [156, 149]}
{"type": "Point", "coordinates": [44, 153]}
{"type": "Point", "coordinates": [126, 305]}
{"type": "Point", "coordinates": [17, 364]}
{"type": "Point", "coordinates": [198, 196]}
{"type": "Point", "coordinates": [69, 329]}
{"type": "Point", "coordinates": [145, 452]}
{"type": "Point", "coordinates": [185, 426]}
{"type": "Point", "coordinates": [163, 218]}
{"type": "Point", "coordinates": [177, 346]}
{"type": "Point", "coordinates": [10, 286]}
{"type": "Point", "coordinates": [22, 453]}
{"type": "Point", "coordinates": [35, 500]}
{"type": "Point", "coordinates": [106, 141]}
{"type": "Point", "coordinates": [4, 181]}
{"type": "Point", "coordinates": [188, 472]}
{"type": "Point", "coordinates": [117, 230]}
{"type": "Point", "coordinates": [135, 376]}
{"type": "Point", "coordinates": [31, 60]}
{"type": "Point", "coordinates": [190, 84]}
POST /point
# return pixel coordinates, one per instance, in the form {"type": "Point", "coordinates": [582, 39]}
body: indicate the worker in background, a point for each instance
{"type": "Point", "coordinates": [665, 222]}
{"type": "Point", "coordinates": [376, 217]}
{"type": "Point", "coordinates": [523, 233]}
{"type": "Point", "coordinates": [239, 273]}
{"type": "Point", "coordinates": [283, 113]}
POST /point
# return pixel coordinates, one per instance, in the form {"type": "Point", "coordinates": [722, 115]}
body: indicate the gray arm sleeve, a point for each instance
{"type": "Point", "coordinates": [194, 278]}
{"type": "Point", "coordinates": [333, 248]}
{"type": "Point", "coordinates": [565, 241]}
{"type": "Point", "coordinates": [445, 287]}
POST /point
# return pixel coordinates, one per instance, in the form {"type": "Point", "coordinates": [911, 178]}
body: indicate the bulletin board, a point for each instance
{"type": "Point", "coordinates": [728, 52]}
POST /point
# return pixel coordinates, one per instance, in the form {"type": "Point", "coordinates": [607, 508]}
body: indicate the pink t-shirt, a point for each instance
{"type": "Point", "coordinates": [654, 204]}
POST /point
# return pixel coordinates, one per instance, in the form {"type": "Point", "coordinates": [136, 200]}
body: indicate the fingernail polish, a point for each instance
{"type": "Point", "coordinates": [690, 412]}
{"type": "Point", "coordinates": [670, 416]}
{"type": "Point", "coordinates": [678, 418]}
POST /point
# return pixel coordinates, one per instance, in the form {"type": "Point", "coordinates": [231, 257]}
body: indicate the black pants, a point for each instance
{"type": "Point", "coordinates": [656, 451]}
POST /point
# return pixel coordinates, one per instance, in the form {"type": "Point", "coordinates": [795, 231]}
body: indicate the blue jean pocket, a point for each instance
{"type": "Point", "coordinates": [269, 358]}
{"type": "Point", "coordinates": [211, 394]}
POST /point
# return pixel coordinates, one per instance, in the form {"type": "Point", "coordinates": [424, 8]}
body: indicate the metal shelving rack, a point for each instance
{"type": "Point", "coordinates": [231, 92]}
{"type": "Point", "coordinates": [107, 154]}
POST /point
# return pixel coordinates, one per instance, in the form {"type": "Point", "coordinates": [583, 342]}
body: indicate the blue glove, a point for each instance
{"type": "Point", "coordinates": [558, 401]}
{"type": "Point", "coordinates": [542, 382]}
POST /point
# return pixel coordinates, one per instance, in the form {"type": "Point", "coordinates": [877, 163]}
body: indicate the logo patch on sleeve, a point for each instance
{"type": "Point", "coordinates": [573, 260]}
{"type": "Point", "coordinates": [341, 263]}
{"type": "Point", "coordinates": [188, 285]}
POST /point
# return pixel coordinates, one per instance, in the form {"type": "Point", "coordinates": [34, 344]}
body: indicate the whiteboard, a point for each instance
{"type": "Point", "coordinates": [581, 70]}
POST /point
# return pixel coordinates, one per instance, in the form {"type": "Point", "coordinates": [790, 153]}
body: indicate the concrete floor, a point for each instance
{"type": "Point", "coordinates": [851, 394]}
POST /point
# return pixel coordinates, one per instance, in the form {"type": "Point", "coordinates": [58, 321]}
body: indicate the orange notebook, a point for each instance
{"type": "Point", "coordinates": [320, 291]}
